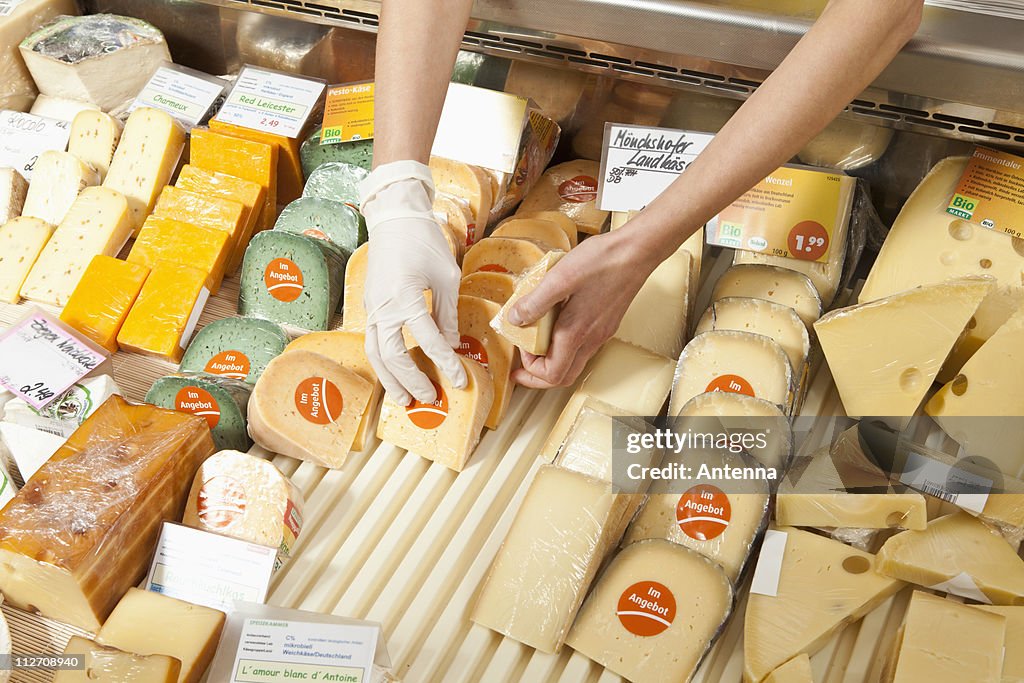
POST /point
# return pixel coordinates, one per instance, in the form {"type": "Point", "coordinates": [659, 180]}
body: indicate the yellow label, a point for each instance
{"type": "Point", "coordinates": [792, 213]}
{"type": "Point", "coordinates": [348, 113]}
{"type": "Point", "coordinates": [991, 192]}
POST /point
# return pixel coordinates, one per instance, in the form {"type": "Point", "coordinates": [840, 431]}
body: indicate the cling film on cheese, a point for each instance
{"type": "Point", "coordinates": [222, 401]}
{"type": "Point", "coordinates": [237, 348]}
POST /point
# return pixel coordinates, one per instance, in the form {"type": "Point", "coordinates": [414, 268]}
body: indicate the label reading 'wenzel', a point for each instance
{"type": "Point", "coordinates": [271, 101]}
{"type": "Point", "coordinates": [991, 192]}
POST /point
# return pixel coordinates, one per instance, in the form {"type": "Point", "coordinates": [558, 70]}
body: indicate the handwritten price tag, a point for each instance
{"type": "Point", "coordinates": [23, 137]}
{"type": "Point", "coordinates": [271, 101]}
{"type": "Point", "coordinates": [40, 358]}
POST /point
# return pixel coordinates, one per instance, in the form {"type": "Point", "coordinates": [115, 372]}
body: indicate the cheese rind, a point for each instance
{"type": "Point", "coordinates": [481, 343]}
{"type": "Point", "coordinates": [104, 296]}
{"type": "Point", "coordinates": [502, 255]}
{"type": "Point", "coordinates": [161, 321]}
{"type": "Point", "coordinates": [570, 188]}
{"type": "Point", "coordinates": [111, 665]}
{"type": "Point", "coordinates": [246, 159]}
{"type": "Point", "coordinates": [535, 337]}
{"type": "Point", "coordinates": [13, 189]}
{"type": "Point", "coordinates": [21, 242]}
{"type": "Point", "coordinates": [763, 317]}
{"type": "Point", "coordinates": [94, 138]}
{"type": "Point", "coordinates": [496, 287]}
{"type": "Point", "coordinates": [164, 240]}
{"type": "Point", "coordinates": [779, 285]}
{"type": "Point", "coordinates": [57, 180]}
{"type": "Point", "coordinates": [325, 219]}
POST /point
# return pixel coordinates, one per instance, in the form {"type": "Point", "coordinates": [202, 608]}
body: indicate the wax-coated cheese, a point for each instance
{"type": "Point", "coordinates": [289, 166]}
{"type": "Point", "coordinates": [101, 301]}
{"type": "Point", "coordinates": [164, 315]}
{"type": "Point", "coordinates": [98, 222]}
{"type": "Point", "coordinates": [823, 586]}
{"type": "Point", "coordinates": [786, 287]}
{"type": "Point", "coordinates": [448, 429]}
{"type": "Point", "coordinates": [716, 411]}
{"type": "Point", "coordinates": [324, 219]}
{"type": "Point", "coordinates": [150, 623]}
{"type": "Point", "coordinates": [13, 189]}
{"type": "Point", "coordinates": [496, 287]}
{"type": "Point", "coordinates": [543, 570]}
{"type": "Point", "coordinates": [796, 670]}
{"type": "Point", "coordinates": [469, 184]}
{"type": "Point", "coordinates": [309, 407]}
{"type": "Point", "coordinates": [17, 89]}
{"type": "Point", "coordinates": [737, 362]}
{"type": "Point", "coordinates": [481, 343]}
{"type": "Point", "coordinates": [242, 496]}
{"type": "Point", "coordinates": [220, 400]}
{"type": "Point", "coordinates": [502, 255]}
{"type": "Point", "coordinates": [763, 317]}
{"type": "Point", "coordinates": [237, 348]}
{"type": "Point", "coordinates": [942, 640]}
{"type": "Point", "coordinates": [246, 159]}
{"type": "Point", "coordinates": [542, 231]}
{"type": "Point", "coordinates": [57, 179]}
{"type": "Point", "coordinates": [959, 554]}
{"type": "Point", "coordinates": [536, 336]}
{"type": "Point", "coordinates": [215, 184]}
{"type": "Point", "coordinates": [110, 665]}
{"type": "Point", "coordinates": [145, 159]}
{"type": "Point", "coordinates": [721, 520]}
{"type": "Point", "coordinates": [1013, 654]}
{"type": "Point", "coordinates": [570, 188]}
{"type": "Point", "coordinates": [206, 210]}
{"type": "Point", "coordinates": [658, 317]}
{"type": "Point", "coordinates": [171, 241]}
{"type": "Point", "coordinates": [94, 138]}
{"type": "Point", "coordinates": [21, 242]}
{"type": "Point", "coordinates": [884, 355]}
{"type": "Point", "coordinates": [654, 613]}
{"type": "Point", "coordinates": [566, 224]}
{"type": "Point", "coordinates": [83, 529]}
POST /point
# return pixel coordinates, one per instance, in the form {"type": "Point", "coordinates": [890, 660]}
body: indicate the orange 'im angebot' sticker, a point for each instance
{"type": "Point", "coordinates": [732, 384]}
{"type": "Point", "coordinates": [198, 401]}
{"type": "Point", "coordinates": [429, 415]}
{"type": "Point", "coordinates": [646, 608]}
{"type": "Point", "coordinates": [470, 347]}
{"type": "Point", "coordinates": [319, 400]}
{"type": "Point", "coordinates": [221, 503]}
{"type": "Point", "coordinates": [283, 279]}
{"type": "Point", "coordinates": [578, 190]}
{"type": "Point", "coordinates": [233, 364]}
{"type": "Point", "coordinates": [703, 513]}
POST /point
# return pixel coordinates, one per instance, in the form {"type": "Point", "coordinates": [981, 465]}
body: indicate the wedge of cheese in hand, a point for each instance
{"type": "Point", "coordinates": [94, 138]}
{"type": "Point", "coordinates": [569, 188]}
{"type": "Point", "coordinates": [884, 355]}
{"type": "Point", "coordinates": [110, 665]}
{"type": "Point", "coordinates": [447, 430]}
{"type": "Point", "coordinates": [353, 316]}
{"type": "Point", "coordinates": [539, 230]}
{"type": "Point", "coordinates": [496, 287]}
{"type": "Point", "coordinates": [478, 341]}
{"type": "Point", "coordinates": [779, 285]}
{"type": "Point", "coordinates": [536, 336]}
{"type": "Point", "coordinates": [57, 180]}
{"type": "Point", "coordinates": [104, 296]}
{"type": "Point", "coordinates": [21, 241]}
{"type": "Point", "coordinates": [502, 255]}
{"type": "Point", "coordinates": [308, 406]}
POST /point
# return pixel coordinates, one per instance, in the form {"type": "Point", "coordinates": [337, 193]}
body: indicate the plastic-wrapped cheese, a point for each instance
{"type": "Point", "coordinates": [309, 407]}
{"type": "Point", "coordinates": [654, 613]}
{"type": "Point", "coordinates": [57, 180]}
{"type": "Point", "coordinates": [82, 530]}
{"type": "Point", "coordinates": [206, 210]}
{"type": "Point", "coordinates": [539, 230]}
{"type": "Point", "coordinates": [658, 317]}
{"type": "Point", "coordinates": [719, 411]}
{"type": "Point", "coordinates": [236, 348]}
{"type": "Point", "coordinates": [220, 400]}
{"type": "Point", "coordinates": [595, 436]}
{"type": "Point", "coordinates": [468, 183]}
{"type": "Point", "coordinates": [535, 337]}
{"type": "Point", "coordinates": [104, 664]}
{"type": "Point", "coordinates": [496, 287]}
{"type": "Point", "coordinates": [456, 214]}
{"type": "Point", "coordinates": [164, 240]}
{"type": "Point", "coordinates": [325, 219]}
{"type": "Point", "coordinates": [163, 317]}
{"type": "Point", "coordinates": [502, 255]}
{"type": "Point", "coordinates": [482, 344]}
{"type": "Point", "coordinates": [17, 89]}
{"type": "Point", "coordinates": [94, 138]}
{"type": "Point", "coordinates": [21, 242]}
{"type": "Point", "coordinates": [781, 286]}
{"type": "Point", "coordinates": [570, 188]}
{"type": "Point", "coordinates": [246, 159]}
{"type": "Point", "coordinates": [239, 495]}
{"type": "Point", "coordinates": [289, 168]}
{"type": "Point", "coordinates": [336, 181]}
{"type": "Point", "coordinates": [448, 429]}
{"type": "Point", "coordinates": [566, 224]}
{"type": "Point", "coordinates": [13, 189]}
{"type": "Point", "coordinates": [846, 145]}
{"type": "Point", "coordinates": [312, 154]}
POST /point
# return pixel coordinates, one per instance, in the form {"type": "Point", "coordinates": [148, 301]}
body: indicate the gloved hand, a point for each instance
{"type": "Point", "coordinates": [407, 255]}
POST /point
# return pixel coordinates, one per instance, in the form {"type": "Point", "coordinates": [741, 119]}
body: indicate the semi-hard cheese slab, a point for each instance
{"type": "Point", "coordinates": [246, 159]}
{"type": "Point", "coordinates": [324, 219]}
{"type": "Point", "coordinates": [163, 317]}
{"type": "Point", "coordinates": [336, 181]}
{"type": "Point", "coordinates": [1013, 655]}
{"type": "Point", "coordinates": [481, 343]}
{"type": "Point", "coordinates": [104, 296]}
{"type": "Point", "coordinates": [82, 530]}
{"type": "Point", "coordinates": [539, 230]}
{"type": "Point", "coordinates": [653, 613]}
{"type": "Point", "coordinates": [312, 154]}
{"type": "Point", "coordinates": [165, 240]}
{"type": "Point", "coordinates": [764, 317]}
{"type": "Point", "coordinates": [658, 317]}
{"type": "Point", "coordinates": [542, 572]}
{"type": "Point", "coordinates": [570, 188]}
{"type": "Point", "coordinates": [57, 179]}
{"type": "Point", "coordinates": [292, 280]}
{"type": "Point", "coordinates": [21, 241]}
{"type": "Point", "coordinates": [205, 210]}
{"type": "Point", "coordinates": [496, 287]}
{"type": "Point", "coordinates": [289, 167]}
{"type": "Point", "coordinates": [779, 285]}
{"type": "Point", "coordinates": [447, 430]}
{"type": "Point", "coordinates": [309, 407]}
{"type": "Point", "coordinates": [94, 138]}
{"type": "Point", "coordinates": [560, 219]}
{"type": "Point", "coordinates": [109, 665]}
{"type": "Point", "coordinates": [535, 337]}
{"type": "Point", "coordinates": [237, 348]}
{"type": "Point", "coordinates": [738, 413]}
{"type": "Point", "coordinates": [221, 401]}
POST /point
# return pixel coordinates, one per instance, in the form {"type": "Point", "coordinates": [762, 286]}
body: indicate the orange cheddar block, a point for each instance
{"type": "Point", "coordinates": [246, 192]}
{"type": "Point", "coordinates": [206, 211]}
{"type": "Point", "coordinates": [166, 311]}
{"type": "Point", "coordinates": [165, 239]}
{"type": "Point", "coordinates": [289, 164]}
{"type": "Point", "coordinates": [101, 301]}
{"type": "Point", "coordinates": [83, 529]}
{"type": "Point", "coordinates": [246, 159]}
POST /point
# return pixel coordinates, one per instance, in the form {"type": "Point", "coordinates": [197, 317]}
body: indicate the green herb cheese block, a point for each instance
{"type": "Point", "coordinates": [291, 279]}
{"type": "Point", "coordinates": [313, 154]}
{"type": "Point", "coordinates": [237, 348]}
{"type": "Point", "coordinates": [336, 180]}
{"type": "Point", "coordinates": [222, 401]}
{"type": "Point", "coordinates": [324, 219]}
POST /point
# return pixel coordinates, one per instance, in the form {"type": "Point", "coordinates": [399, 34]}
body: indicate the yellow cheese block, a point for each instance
{"type": "Point", "coordinates": [496, 287]}
{"type": "Point", "coordinates": [481, 343]}
{"type": "Point", "coordinates": [782, 286]}
{"type": "Point", "coordinates": [164, 239]}
{"type": "Point", "coordinates": [1013, 660]}
{"type": "Point", "coordinates": [246, 159]}
{"type": "Point", "coordinates": [289, 165]}
{"type": "Point", "coordinates": [447, 430]}
{"type": "Point", "coordinates": [21, 241]}
{"type": "Point", "coordinates": [110, 665]}
{"type": "Point", "coordinates": [502, 255]}
{"type": "Point", "coordinates": [347, 348]}
{"type": "Point", "coordinates": [165, 314]}
{"type": "Point", "coordinates": [535, 337]}
{"type": "Point", "coordinates": [248, 193]}
{"type": "Point", "coordinates": [101, 301]}
{"type": "Point", "coordinates": [570, 188]}
{"type": "Point", "coordinates": [539, 230]}
{"type": "Point", "coordinates": [468, 183]}
{"type": "Point", "coordinates": [567, 224]}
{"type": "Point", "coordinates": [206, 210]}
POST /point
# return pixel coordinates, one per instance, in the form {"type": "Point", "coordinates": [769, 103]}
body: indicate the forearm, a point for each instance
{"type": "Point", "coordinates": [843, 53]}
{"type": "Point", "coordinates": [416, 49]}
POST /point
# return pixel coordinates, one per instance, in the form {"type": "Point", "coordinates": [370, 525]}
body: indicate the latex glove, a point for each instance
{"type": "Point", "coordinates": [407, 255]}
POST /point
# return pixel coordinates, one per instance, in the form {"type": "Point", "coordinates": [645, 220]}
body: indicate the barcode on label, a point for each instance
{"type": "Point", "coordinates": [937, 491]}
{"type": "Point", "coordinates": [951, 484]}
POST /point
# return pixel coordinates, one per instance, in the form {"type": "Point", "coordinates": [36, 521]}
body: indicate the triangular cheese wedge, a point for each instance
{"type": "Point", "coordinates": [823, 586]}
{"type": "Point", "coordinates": [955, 552]}
{"type": "Point", "coordinates": [796, 670]}
{"type": "Point", "coordinates": [884, 355]}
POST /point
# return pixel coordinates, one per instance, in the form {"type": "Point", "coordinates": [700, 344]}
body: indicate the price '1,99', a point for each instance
{"type": "Point", "coordinates": [808, 241]}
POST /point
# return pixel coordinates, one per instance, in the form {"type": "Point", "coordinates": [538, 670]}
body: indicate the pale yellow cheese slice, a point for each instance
{"type": "Point", "coordinates": [482, 344]}
{"type": "Point", "coordinates": [536, 336]}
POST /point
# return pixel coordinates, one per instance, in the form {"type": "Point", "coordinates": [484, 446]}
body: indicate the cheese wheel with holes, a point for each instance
{"type": "Point", "coordinates": [496, 287]}
{"type": "Point", "coordinates": [481, 343]}
{"type": "Point", "coordinates": [502, 255]}
{"type": "Point", "coordinates": [570, 188]}
{"type": "Point", "coordinates": [786, 287]}
{"type": "Point", "coordinates": [539, 230]}
{"type": "Point", "coordinates": [567, 224]}
{"type": "Point", "coordinates": [535, 337]}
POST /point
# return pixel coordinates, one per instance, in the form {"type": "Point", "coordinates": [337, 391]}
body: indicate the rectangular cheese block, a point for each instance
{"type": "Point", "coordinates": [21, 242]}
{"type": "Point", "coordinates": [496, 287]}
{"type": "Point", "coordinates": [779, 285]}
{"type": "Point", "coordinates": [236, 348]}
{"type": "Point", "coordinates": [98, 223]}
{"type": "Point", "coordinates": [308, 406]}
{"type": "Point", "coordinates": [658, 318]}
{"type": "Point", "coordinates": [936, 628]}
{"type": "Point", "coordinates": [110, 665]}
{"type": "Point", "coordinates": [469, 184]}
{"type": "Point", "coordinates": [796, 670]}
{"type": "Point", "coordinates": [545, 232]}
{"type": "Point", "coordinates": [289, 165]}
{"type": "Point", "coordinates": [101, 301]}
{"type": "Point", "coordinates": [479, 342]}
{"type": "Point", "coordinates": [150, 623]}
{"type": "Point", "coordinates": [17, 89]}
{"type": "Point", "coordinates": [1013, 646]}
{"type": "Point", "coordinates": [164, 315]}
{"type": "Point", "coordinates": [220, 400]}
{"type": "Point", "coordinates": [94, 138]}
{"type": "Point", "coordinates": [13, 189]}
{"type": "Point", "coordinates": [246, 159]}
{"type": "Point", "coordinates": [57, 179]}
{"type": "Point", "coordinates": [82, 530]}
{"type": "Point", "coordinates": [543, 570]}
{"type": "Point", "coordinates": [654, 613]}
{"type": "Point", "coordinates": [206, 211]}
{"type": "Point", "coordinates": [215, 184]}
{"type": "Point", "coordinates": [171, 241]}
{"type": "Point", "coordinates": [535, 337]}
{"type": "Point", "coordinates": [884, 355]}
{"type": "Point", "coordinates": [570, 188]}
{"type": "Point", "coordinates": [145, 159]}
{"type": "Point", "coordinates": [502, 255]}
{"type": "Point", "coordinates": [447, 430]}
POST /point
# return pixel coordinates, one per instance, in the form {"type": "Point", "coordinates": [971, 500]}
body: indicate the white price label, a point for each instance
{"type": "Point", "coordinates": [639, 162]}
{"type": "Point", "coordinates": [271, 102]}
{"type": "Point", "coordinates": [184, 94]}
{"type": "Point", "coordinates": [40, 359]}
{"type": "Point", "coordinates": [23, 137]}
{"type": "Point", "coordinates": [769, 564]}
{"type": "Point", "coordinates": [7, 7]}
